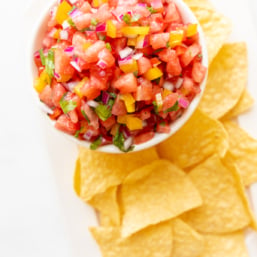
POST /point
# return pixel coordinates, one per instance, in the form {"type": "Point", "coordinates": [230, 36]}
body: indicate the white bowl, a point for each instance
{"type": "Point", "coordinates": [187, 16]}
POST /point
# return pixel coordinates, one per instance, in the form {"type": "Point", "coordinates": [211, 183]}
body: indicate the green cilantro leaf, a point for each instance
{"type": "Point", "coordinates": [85, 116]}
{"type": "Point", "coordinates": [42, 57]}
{"type": "Point", "coordinates": [101, 37]}
{"type": "Point", "coordinates": [113, 95]}
{"type": "Point", "coordinates": [78, 132]}
{"type": "Point", "coordinates": [103, 112]}
{"type": "Point", "coordinates": [168, 44]}
{"type": "Point", "coordinates": [126, 18]}
{"type": "Point", "coordinates": [150, 9]}
{"type": "Point", "coordinates": [70, 21]}
{"type": "Point", "coordinates": [94, 22]}
{"type": "Point", "coordinates": [108, 46]}
{"type": "Point", "coordinates": [157, 81]}
{"type": "Point", "coordinates": [156, 109]}
{"type": "Point", "coordinates": [67, 106]}
{"type": "Point", "coordinates": [174, 108]}
{"type": "Point", "coordinates": [118, 140]}
{"type": "Point", "coordinates": [96, 143]}
{"type": "Point", "coordinates": [49, 63]}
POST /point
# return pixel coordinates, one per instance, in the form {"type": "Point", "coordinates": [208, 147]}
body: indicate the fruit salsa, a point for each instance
{"type": "Point", "coordinates": [117, 72]}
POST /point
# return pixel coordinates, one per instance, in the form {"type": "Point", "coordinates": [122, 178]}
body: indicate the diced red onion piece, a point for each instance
{"type": "Point", "coordinates": [125, 52]}
{"type": "Point", "coordinates": [92, 103]}
{"type": "Point", "coordinates": [127, 60]}
{"type": "Point", "coordinates": [142, 4]}
{"type": "Point", "coordinates": [105, 97]}
{"type": "Point", "coordinates": [146, 41]}
{"type": "Point", "coordinates": [75, 13]}
{"type": "Point", "coordinates": [101, 27]}
{"type": "Point", "coordinates": [128, 142]}
{"type": "Point", "coordinates": [65, 25]}
{"type": "Point", "coordinates": [183, 102]}
{"type": "Point", "coordinates": [179, 83]}
{"type": "Point", "coordinates": [125, 131]}
{"type": "Point", "coordinates": [64, 35]}
{"type": "Point", "coordinates": [88, 135]}
{"type": "Point", "coordinates": [137, 56]}
{"type": "Point", "coordinates": [56, 75]}
{"type": "Point", "coordinates": [102, 64]}
{"type": "Point", "coordinates": [75, 65]}
{"type": "Point", "coordinates": [70, 85]}
{"type": "Point", "coordinates": [168, 85]}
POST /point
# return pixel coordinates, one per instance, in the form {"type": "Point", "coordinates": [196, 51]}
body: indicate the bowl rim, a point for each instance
{"type": "Point", "coordinates": [187, 17]}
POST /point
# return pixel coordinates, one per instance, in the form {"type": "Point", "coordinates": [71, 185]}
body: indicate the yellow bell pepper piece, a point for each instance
{"type": "Point", "coordinates": [132, 41]}
{"type": "Point", "coordinates": [62, 12]}
{"type": "Point", "coordinates": [129, 102]}
{"type": "Point", "coordinates": [135, 30]}
{"type": "Point", "coordinates": [86, 45]}
{"type": "Point", "coordinates": [134, 123]}
{"type": "Point", "coordinates": [57, 34]}
{"type": "Point", "coordinates": [166, 92]}
{"type": "Point", "coordinates": [111, 29]}
{"type": "Point", "coordinates": [153, 73]}
{"type": "Point", "coordinates": [78, 87]}
{"type": "Point", "coordinates": [122, 119]}
{"type": "Point", "coordinates": [42, 81]}
{"type": "Point", "coordinates": [97, 3]}
{"type": "Point", "coordinates": [130, 67]}
{"type": "Point", "coordinates": [176, 38]}
{"type": "Point", "coordinates": [191, 30]}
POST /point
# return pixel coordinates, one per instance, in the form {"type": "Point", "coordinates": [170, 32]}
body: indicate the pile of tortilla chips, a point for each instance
{"type": "Point", "coordinates": [186, 196]}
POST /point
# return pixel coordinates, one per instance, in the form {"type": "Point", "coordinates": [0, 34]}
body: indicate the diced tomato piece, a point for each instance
{"type": "Point", "coordinates": [188, 87]}
{"type": "Point", "coordinates": [142, 138]}
{"type": "Point", "coordinates": [119, 108]}
{"type": "Point", "coordinates": [62, 65]}
{"type": "Point", "coordinates": [165, 54]}
{"type": "Point", "coordinates": [126, 83]}
{"type": "Point", "coordinates": [65, 124]}
{"type": "Point", "coordinates": [191, 52]}
{"type": "Point", "coordinates": [103, 13]}
{"type": "Point", "coordinates": [57, 93]}
{"type": "Point", "coordinates": [173, 66]}
{"type": "Point", "coordinates": [98, 82]}
{"type": "Point", "coordinates": [172, 14]}
{"type": "Point", "coordinates": [106, 56]}
{"type": "Point", "coordinates": [46, 96]}
{"type": "Point", "coordinates": [159, 40]}
{"type": "Point", "coordinates": [56, 113]}
{"type": "Point", "coordinates": [180, 50]}
{"type": "Point", "coordinates": [92, 52]}
{"type": "Point", "coordinates": [83, 21]}
{"type": "Point", "coordinates": [198, 72]}
{"type": "Point", "coordinates": [91, 115]}
{"type": "Point", "coordinates": [109, 122]}
{"type": "Point", "coordinates": [85, 7]}
{"type": "Point", "coordinates": [90, 91]}
{"type": "Point", "coordinates": [73, 116]}
{"type": "Point", "coordinates": [144, 90]}
{"type": "Point", "coordinates": [169, 101]}
{"type": "Point", "coordinates": [156, 23]}
{"type": "Point", "coordinates": [144, 64]}
{"type": "Point", "coordinates": [163, 128]}
{"type": "Point", "coordinates": [145, 114]}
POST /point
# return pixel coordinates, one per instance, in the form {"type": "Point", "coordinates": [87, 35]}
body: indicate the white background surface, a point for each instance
{"type": "Point", "coordinates": [39, 213]}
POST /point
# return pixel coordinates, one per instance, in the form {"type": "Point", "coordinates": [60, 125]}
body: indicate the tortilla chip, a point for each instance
{"type": "Point", "coordinates": [243, 150]}
{"type": "Point", "coordinates": [231, 245]}
{"type": "Point", "coordinates": [225, 208]}
{"type": "Point", "coordinates": [199, 138]}
{"type": "Point", "coordinates": [216, 28]}
{"type": "Point", "coordinates": [244, 104]}
{"type": "Point", "coordinates": [105, 220]}
{"type": "Point", "coordinates": [205, 4]}
{"type": "Point", "coordinates": [100, 171]}
{"type": "Point", "coordinates": [186, 241]}
{"type": "Point", "coordinates": [155, 241]}
{"type": "Point", "coordinates": [155, 193]}
{"type": "Point", "coordinates": [107, 204]}
{"type": "Point", "coordinates": [226, 81]}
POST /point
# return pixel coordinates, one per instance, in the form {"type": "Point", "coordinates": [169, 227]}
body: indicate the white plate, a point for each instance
{"type": "Point", "coordinates": [61, 153]}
